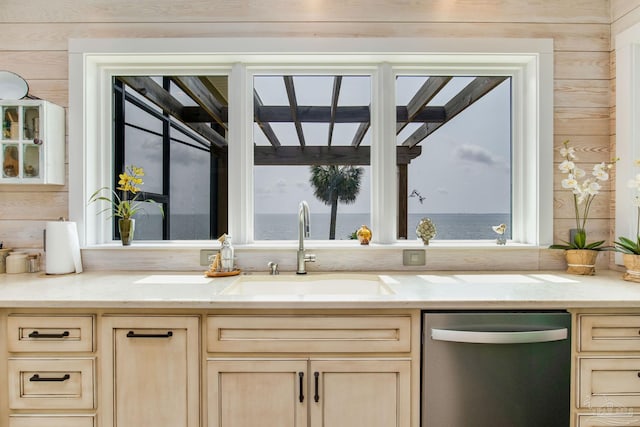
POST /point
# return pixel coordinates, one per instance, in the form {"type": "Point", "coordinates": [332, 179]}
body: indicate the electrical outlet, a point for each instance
{"type": "Point", "coordinates": [205, 254]}
{"type": "Point", "coordinates": [413, 257]}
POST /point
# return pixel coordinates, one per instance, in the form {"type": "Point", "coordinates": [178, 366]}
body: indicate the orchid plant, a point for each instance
{"type": "Point", "coordinates": [626, 245]}
{"type": "Point", "coordinates": [584, 192]}
{"type": "Point", "coordinates": [126, 206]}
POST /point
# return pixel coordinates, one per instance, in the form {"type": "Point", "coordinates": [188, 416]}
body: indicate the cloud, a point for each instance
{"type": "Point", "coordinates": [476, 154]}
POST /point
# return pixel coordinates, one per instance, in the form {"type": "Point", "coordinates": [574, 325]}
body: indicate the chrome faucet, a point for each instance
{"type": "Point", "coordinates": [303, 231]}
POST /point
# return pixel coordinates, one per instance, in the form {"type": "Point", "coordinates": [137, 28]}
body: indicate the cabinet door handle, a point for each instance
{"type": "Point", "coordinates": [132, 334]}
{"type": "Point", "coordinates": [316, 396]}
{"type": "Point", "coordinates": [37, 378]}
{"type": "Point", "coordinates": [36, 334]}
{"type": "Point", "coordinates": [301, 382]}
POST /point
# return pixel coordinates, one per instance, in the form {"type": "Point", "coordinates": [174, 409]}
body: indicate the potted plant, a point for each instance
{"type": "Point", "coordinates": [125, 207]}
{"type": "Point", "coordinates": [580, 254]}
{"type": "Point", "coordinates": [630, 248]}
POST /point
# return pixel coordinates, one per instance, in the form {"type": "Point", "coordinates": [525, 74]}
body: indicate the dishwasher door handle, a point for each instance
{"type": "Point", "coordinates": [489, 337]}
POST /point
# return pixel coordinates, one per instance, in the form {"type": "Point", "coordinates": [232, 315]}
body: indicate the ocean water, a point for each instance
{"type": "Point", "coordinates": [285, 226]}
{"type": "Point", "coordinates": [448, 226]}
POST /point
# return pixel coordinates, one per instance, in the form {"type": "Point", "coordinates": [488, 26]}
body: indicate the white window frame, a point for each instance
{"type": "Point", "coordinates": [627, 129]}
{"type": "Point", "coordinates": [93, 63]}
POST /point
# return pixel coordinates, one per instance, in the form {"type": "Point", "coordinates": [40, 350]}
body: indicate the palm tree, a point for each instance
{"type": "Point", "coordinates": [333, 184]}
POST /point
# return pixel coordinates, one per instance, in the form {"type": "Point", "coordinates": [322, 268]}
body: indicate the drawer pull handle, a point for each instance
{"type": "Point", "coordinates": [37, 378]}
{"type": "Point", "coordinates": [301, 379]}
{"type": "Point", "coordinates": [36, 334]}
{"type": "Point", "coordinates": [132, 334]}
{"type": "Point", "coordinates": [316, 396]}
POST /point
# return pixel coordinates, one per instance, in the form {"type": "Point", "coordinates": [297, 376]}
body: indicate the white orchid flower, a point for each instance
{"type": "Point", "coordinates": [566, 166]}
{"type": "Point", "coordinates": [568, 152]}
{"type": "Point", "coordinates": [593, 188]}
{"type": "Point", "coordinates": [570, 182]}
{"type": "Point", "coordinates": [578, 172]}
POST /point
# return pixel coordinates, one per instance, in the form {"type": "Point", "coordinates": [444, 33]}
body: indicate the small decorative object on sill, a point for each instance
{"type": "Point", "coordinates": [579, 254]}
{"type": "Point", "coordinates": [126, 227]}
{"type": "Point", "coordinates": [500, 230]}
{"type": "Point", "coordinates": [226, 254]}
{"type": "Point", "coordinates": [581, 261]}
{"type": "Point", "coordinates": [123, 207]}
{"type": "Point", "coordinates": [426, 230]}
{"type": "Point", "coordinates": [364, 235]}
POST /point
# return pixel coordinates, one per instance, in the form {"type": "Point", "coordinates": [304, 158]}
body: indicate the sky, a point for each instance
{"type": "Point", "coordinates": [464, 166]}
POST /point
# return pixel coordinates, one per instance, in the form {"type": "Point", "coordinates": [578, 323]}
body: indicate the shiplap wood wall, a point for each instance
{"type": "Point", "coordinates": [36, 33]}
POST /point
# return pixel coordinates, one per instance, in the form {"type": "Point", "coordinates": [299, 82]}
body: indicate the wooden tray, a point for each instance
{"type": "Point", "coordinates": [221, 273]}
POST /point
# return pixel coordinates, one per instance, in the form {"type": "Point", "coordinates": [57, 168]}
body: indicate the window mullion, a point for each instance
{"type": "Point", "coordinates": [384, 189]}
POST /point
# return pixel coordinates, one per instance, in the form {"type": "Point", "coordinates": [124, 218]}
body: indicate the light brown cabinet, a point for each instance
{"type": "Point", "coordinates": [197, 368]}
{"type": "Point", "coordinates": [299, 392]}
{"type": "Point", "coordinates": [607, 369]}
{"type": "Point", "coordinates": [150, 372]}
{"type": "Point", "coordinates": [297, 371]}
{"type": "Point", "coordinates": [51, 370]}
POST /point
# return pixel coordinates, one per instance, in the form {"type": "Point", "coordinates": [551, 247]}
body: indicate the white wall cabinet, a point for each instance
{"type": "Point", "coordinates": [32, 142]}
{"type": "Point", "coordinates": [150, 373]}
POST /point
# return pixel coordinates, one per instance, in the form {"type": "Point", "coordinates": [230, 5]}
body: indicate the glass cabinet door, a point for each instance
{"type": "Point", "coordinates": [31, 123]}
{"type": "Point", "coordinates": [31, 161]}
{"type": "Point", "coordinates": [10, 161]}
{"type": "Point", "coordinates": [10, 124]}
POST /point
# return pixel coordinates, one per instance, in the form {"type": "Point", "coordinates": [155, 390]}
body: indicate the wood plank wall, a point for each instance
{"type": "Point", "coordinates": [36, 32]}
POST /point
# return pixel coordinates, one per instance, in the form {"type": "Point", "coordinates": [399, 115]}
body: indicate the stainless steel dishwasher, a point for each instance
{"type": "Point", "coordinates": [496, 369]}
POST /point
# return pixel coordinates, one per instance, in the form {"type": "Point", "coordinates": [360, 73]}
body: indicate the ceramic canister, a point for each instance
{"type": "Point", "coordinates": [16, 262]}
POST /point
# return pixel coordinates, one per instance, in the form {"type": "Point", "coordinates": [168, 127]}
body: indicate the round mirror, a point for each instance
{"type": "Point", "coordinates": [12, 86]}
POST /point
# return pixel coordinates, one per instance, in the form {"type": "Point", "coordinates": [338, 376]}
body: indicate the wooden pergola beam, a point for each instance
{"type": "Point", "coordinates": [201, 94]}
{"type": "Point", "coordinates": [426, 93]}
{"type": "Point", "coordinates": [475, 90]}
{"type": "Point", "coordinates": [345, 114]}
{"type": "Point", "coordinates": [155, 93]}
{"type": "Point", "coordinates": [337, 82]}
{"type": "Point", "coordinates": [359, 135]}
{"type": "Point", "coordinates": [321, 155]}
{"type": "Point", "coordinates": [293, 104]}
{"type": "Point", "coordinates": [264, 126]}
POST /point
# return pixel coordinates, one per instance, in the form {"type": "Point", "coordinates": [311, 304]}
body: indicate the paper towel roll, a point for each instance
{"type": "Point", "coordinates": [62, 248]}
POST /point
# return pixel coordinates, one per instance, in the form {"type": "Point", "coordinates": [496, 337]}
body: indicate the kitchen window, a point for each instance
{"type": "Point", "coordinates": [528, 73]}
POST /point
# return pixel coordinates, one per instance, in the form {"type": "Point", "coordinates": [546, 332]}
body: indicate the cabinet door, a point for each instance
{"type": "Point", "coordinates": [151, 371]}
{"type": "Point", "coordinates": [250, 393]}
{"type": "Point", "coordinates": [360, 393]}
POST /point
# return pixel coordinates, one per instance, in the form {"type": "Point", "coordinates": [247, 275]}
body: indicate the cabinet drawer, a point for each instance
{"type": "Point", "coordinates": [612, 383]}
{"type": "Point", "coordinates": [49, 333]}
{"type": "Point", "coordinates": [51, 421]}
{"type": "Point", "coordinates": [609, 332]}
{"type": "Point", "coordinates": [48, 383]}
{"type": "Point", "coordinates": [608, 419]}
{"type": "Point", "coordinates": [334, 334]}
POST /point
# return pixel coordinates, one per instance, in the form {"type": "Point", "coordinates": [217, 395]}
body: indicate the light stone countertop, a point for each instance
{"type": "Point", "coordinates": [432, 290]}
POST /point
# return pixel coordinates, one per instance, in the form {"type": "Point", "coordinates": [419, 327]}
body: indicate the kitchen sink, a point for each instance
{"type": "Point", "coordinates": [311, 284]}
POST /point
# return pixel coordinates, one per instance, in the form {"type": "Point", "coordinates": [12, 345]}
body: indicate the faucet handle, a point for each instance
{"type": "Point", "coordinates": [273, 268]}
{"type": "Point", "coordinates": [309, 258]}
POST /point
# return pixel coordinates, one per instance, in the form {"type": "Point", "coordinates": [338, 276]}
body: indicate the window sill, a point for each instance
{"type": "Point", "coordinates": [330, 256]}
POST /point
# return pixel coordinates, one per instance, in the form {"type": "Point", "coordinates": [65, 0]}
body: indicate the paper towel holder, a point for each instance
{"type": "Point", "coordinates": [44, 235]}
